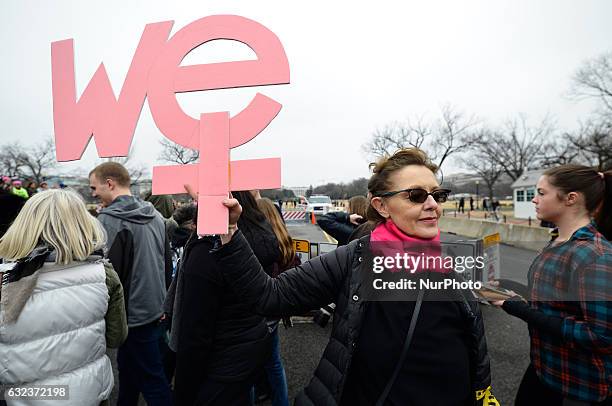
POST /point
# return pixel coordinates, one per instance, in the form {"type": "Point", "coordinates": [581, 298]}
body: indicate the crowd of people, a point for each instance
{"type": "Point", "coordinates": [196, 318]}
{"type": "Point", "coordinates": [492, 206]}
{"type": "Point", "coordinates": [16, 187]}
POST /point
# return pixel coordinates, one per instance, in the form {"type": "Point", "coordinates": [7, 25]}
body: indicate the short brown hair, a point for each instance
{"type": "Point", "coordinates": [114, 171]}
{"type": "Point", "coordinates": [386, 166]}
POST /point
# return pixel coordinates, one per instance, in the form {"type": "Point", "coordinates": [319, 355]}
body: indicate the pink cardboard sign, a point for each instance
{"type": "Point", "coordinates": [155, 72]}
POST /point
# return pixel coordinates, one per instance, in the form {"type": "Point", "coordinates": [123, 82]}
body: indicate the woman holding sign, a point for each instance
{"type": "Point", "coordinates": [569, 312]}
{"type": "Point", "coordinates": [377, 353]}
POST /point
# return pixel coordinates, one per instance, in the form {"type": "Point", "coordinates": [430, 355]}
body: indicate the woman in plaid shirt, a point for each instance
{"type": "Point", "coordinates": [569, 313]}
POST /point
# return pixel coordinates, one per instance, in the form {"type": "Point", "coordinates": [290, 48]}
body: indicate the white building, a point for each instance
{"type": "Point", "coordinates": [297, 190]}
{"type": "Point", "coordinates": [524, 189]}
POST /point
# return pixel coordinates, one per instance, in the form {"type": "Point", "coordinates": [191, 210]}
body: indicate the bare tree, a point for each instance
{"type": "Point", "coordinates": [516, 146]}
{"type": "Point", "coordinates": [38, 159]}
{"type": "Point", "coordinates": [10, 163]}
{"type": "Point", "coordinates": [415, 132]}
{"type": "Point", "coordinates": [594, 80]}
{"type": "Point", "coordinates": [591, 145]}
{"type": "Point", "coordinates": [31, 162]}
{"type": "Point", "coordinates": [594, 142]}
{"type": "Point", "coordinates": [440, 138]}
{"type": "Point", "coordinates": [488, 169]}
{"type": "Point", "coordinates": [561, 151]}
{"type": "Point", "coordinates": [175, 153]}
{"type": "Point", "coordinates": [453, 133]}
{"type": "Point", "coordinates": [384, 141]}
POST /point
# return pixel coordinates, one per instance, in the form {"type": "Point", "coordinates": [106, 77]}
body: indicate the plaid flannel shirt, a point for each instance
{"type": "Point", "coordinates": [578, 365]}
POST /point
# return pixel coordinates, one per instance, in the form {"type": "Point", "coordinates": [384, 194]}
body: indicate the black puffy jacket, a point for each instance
{"type": "Point", "coordinates": [334, 277]}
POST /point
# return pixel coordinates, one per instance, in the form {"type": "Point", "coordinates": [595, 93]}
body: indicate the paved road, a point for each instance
{"type": "Point", "coordinates": [507, 337]}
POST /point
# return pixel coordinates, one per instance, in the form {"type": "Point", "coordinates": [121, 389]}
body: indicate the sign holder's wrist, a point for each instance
{"type": "Point", "coordinates": [231, 229]}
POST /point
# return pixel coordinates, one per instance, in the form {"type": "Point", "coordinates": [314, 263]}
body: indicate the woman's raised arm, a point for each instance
{"type": "Point", "coordinates": [295, 291]}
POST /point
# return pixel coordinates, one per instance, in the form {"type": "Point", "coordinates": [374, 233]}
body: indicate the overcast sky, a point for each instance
{"type": "Point", "coordinates": [355, 66]}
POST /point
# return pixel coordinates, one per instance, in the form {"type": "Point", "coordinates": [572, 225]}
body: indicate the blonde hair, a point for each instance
{"type": "Point", "coordinates": [285, 242]}
{"type": "Point", "coordinates": [58, 218]}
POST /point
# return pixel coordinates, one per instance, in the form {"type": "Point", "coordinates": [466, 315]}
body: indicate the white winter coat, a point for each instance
{"type": "Point", "coordinates": [59, 336]}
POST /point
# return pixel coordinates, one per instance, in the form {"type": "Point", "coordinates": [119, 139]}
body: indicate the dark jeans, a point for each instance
{"type": "Point", "coordinates": [276, 373]}
{"type": "Point", "coordinates": [141, 369]}
{"type": "Point", "coordinates": [533, 392]}
{"type": "Point", "coordinates": [275, 381]}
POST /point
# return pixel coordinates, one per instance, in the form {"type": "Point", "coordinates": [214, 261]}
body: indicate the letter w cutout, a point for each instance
{"type": "Point", "coordinates": [98, 111]}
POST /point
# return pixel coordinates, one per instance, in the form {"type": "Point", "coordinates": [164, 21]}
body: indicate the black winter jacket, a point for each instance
{"type": "Point", "coordinates": [219, 335]}
{"type": "Point", "coordinates": [11, 206]}
{"type": "Point", "coordinates": [263, 242]}
{"type": "Point", "coordinates": [338, 225]}
{"type": "Point", "coordinates": [334, 277]}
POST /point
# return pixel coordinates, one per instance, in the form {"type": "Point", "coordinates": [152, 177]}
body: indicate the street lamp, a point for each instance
{"type": "Point", "coordinates": [477, 182]}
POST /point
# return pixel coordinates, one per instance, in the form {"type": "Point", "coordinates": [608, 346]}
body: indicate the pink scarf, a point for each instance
{"type": "Point", "coordinates": [388, 240]}
{"type": "Point", "coordinates": [388, 231]}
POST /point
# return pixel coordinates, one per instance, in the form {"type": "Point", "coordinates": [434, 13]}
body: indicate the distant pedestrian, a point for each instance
{"type": "Point", "coordinates": [485, 204]}
{"type": "Point", "coordinates": [18, 190]}
{"type": "Point", "coordinates": [6, 183]}
{"type": "Point", "coordinates": [471, 203]}
{"type": "Point", "coordinates": [31, 188]}
{"type": "Point", "coordinates": [462, 205]}
{"type": "Point", "coordinates": [43, 186]}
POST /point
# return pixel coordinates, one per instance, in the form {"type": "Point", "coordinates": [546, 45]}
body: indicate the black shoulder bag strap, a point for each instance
{"type": "Point", "coordinates": [402, 358]}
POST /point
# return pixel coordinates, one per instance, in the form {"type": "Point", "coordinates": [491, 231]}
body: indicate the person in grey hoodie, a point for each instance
{"type": "Point", "coordinates": [139, 250]}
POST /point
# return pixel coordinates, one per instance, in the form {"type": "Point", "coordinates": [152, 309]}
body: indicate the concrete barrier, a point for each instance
{"type": "Point", "coordinates": [532, 238]}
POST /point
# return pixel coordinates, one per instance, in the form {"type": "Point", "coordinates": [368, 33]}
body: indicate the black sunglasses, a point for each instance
{"type": "Point", "coordinates": [420, 195]}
